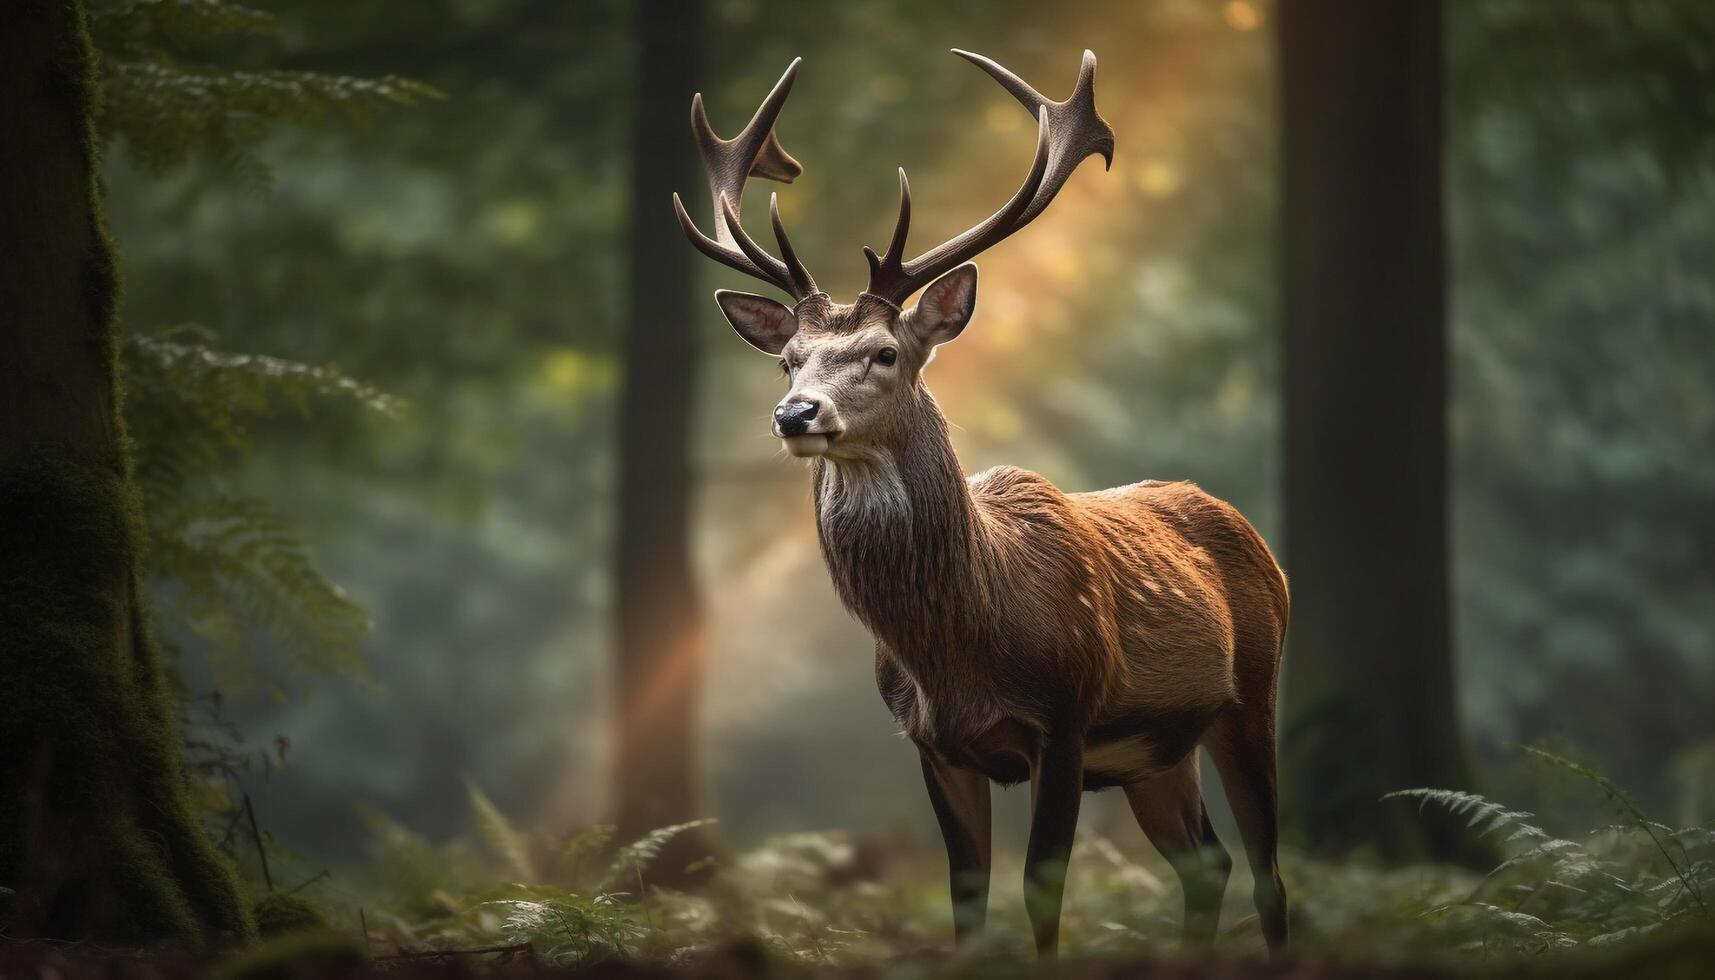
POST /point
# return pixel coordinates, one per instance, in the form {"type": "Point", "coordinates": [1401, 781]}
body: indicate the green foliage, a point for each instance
{"type": "Point", "coordinates": [1637, 74]}
{"type": "Point", "coordinates": [413, 878]}
{"type": "Point", "coordinates": [1614, 883]}
{"type": "Point", "coordinates": [1579, 171]}
{"type": "Point", "coordinates": [633, 858]}
{"type": "Point", "coordinates": [566, 927]}
{"type": "Point", "coordinates": [842, 899]}
{"type": "Point", "coordinates": [1486, 816]}
{"type": "Point", "coordinates": [788, 894]}
{"type": "Point", "coordinates": [582, 848]}
{"type": "Point", "coordinates": [228, 566]}
{"type": "Point", "coordinates": [498, 833]}
{"type": "Point", "coordinates": [1682, 865]}
{"type": "Point", "coordinates": [166, 104]}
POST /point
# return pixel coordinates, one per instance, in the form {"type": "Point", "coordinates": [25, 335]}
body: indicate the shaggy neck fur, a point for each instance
{"type": "Point", "coordinates": [903, 539]}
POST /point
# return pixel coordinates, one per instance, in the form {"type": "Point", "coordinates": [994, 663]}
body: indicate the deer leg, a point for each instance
{"type": "Point", "coordinates": [1057, 788]}
{"type": "Point", "coordinates": [961, 801]}
{"type": "Point", "coordinates": [1169, 807]}
{"type": "Point", "coordinates": [1242, 748]}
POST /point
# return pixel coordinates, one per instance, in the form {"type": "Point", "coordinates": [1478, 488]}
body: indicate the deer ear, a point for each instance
{"type": "Point", "coordinates": [763, 323]}
{"type": "Point", "coordinates": [946, 305]}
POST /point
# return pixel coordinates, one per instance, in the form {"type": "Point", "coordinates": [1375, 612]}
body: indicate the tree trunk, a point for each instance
{"type": "Point", "coordinates": [660, 633]}
{"type": "Point", "coordinates": [1370, 692]}
{"type": "Point", "coordinates": [97, 833]}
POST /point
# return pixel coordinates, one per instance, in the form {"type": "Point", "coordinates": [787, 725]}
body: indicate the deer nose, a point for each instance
{"type": "Point", "coordinates": [793, 417]}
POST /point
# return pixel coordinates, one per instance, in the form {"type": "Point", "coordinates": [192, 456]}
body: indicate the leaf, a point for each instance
{"type": "Point", "coordinates": [637, 855]}
{"type": "Point", "coordinates": [581, 847]}
{"type": "Point", "coordinates": [165, 109]}
{"type": "Point", "coordinates": [512, 847]}
{"type": "Point", "coordinates": [1627, 803]}
{"type": "Point", "coordinates": [1553, 847]}
{"type": "Point", "coordinates": [1486, 816]}
{"type": "Point", "coordinates": [226, 565]}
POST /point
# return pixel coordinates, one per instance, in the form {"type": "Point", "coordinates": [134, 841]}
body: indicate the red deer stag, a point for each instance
{"type": "Point", "coordinates": [1079, 641]}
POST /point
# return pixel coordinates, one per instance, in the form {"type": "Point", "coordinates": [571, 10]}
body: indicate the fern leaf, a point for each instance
{"type": "Point", "coordinates": [164, 110]}
{"type": "Point", "coordinates": [1552, 848]}
{"type": "Point", "coordinates": [637, 855]}
{"type": "Point", "coordinates": [497, 832]}
{"type": "Point", "coordinates": [1626, 802]}
{"type": "Point", "coordinates": [1484, 815]}
{"type": "Point", "coordinates": [581, 847]}
{"type": "Point", "coordinates": [227, 566]}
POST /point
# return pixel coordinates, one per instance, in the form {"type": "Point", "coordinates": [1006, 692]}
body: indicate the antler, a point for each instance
{"type": "Point", "coordinates": [754, 152]}
{"type": "Point", "coordinates": [1067, 132]}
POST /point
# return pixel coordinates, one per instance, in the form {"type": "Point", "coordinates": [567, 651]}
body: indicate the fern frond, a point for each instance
{"type": "Point", "coordinates": [570, 929]}
{"type": "Point", "coordinates": [637, 855]}
{"type": "Point", "coordinates": [156, 24]}
{"type": "Point", "coordinates": [166, 109]}
{"type": "Point", "coordinates": [233, 566]}
{"type": "Point", "coordinates": [1628, 804]}
{"type": "Point", "coordinates": [581, 847]}
{"type": "Point", "coordinates": [1553, 847]}
{"type": "Point", "coordinates": [1484, 815]}
{"type": "Point", "coordinates": [497, 832]}
{"type": "Point", "coordinates": [227, 565]}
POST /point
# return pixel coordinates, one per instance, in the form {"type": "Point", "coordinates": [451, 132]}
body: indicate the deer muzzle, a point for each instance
{"type": "Point", "coordinates": [803, 426]}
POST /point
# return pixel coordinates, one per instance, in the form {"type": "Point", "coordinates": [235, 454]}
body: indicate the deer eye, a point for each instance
{"type": "Point", "coordinates": [785, 368]}
{"type": "Point", "coordinates": [886, 355]}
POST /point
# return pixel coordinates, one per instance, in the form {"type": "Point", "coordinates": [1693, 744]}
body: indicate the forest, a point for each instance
{"type": "Point", "coordinates": [399, 571]}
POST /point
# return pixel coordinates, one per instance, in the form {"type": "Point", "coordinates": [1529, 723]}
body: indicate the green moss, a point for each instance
{"type": "Point", "coordinates": [95, 821]}
{"type": "Point", "coordinates": [282, 913]}
{"type": "Point", "coordinates": [97, 748]}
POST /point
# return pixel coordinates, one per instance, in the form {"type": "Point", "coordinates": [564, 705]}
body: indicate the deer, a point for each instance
{"type": "Point", "coordinates": [1074, 641]}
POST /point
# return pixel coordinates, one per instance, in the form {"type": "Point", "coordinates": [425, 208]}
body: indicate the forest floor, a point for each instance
{"type": "Point", "coordinates": [1683, 955]}
{"type": "Point", "coordinates": [1630, 897]}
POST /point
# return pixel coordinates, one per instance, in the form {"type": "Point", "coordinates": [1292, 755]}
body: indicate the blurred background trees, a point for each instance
{"type": "Point", "coordinates": [464, 256]}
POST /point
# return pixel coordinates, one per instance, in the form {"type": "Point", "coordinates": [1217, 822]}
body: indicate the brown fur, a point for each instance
{"type": "Point", "coordinates": [1134, 612]}
{"type": "Point", "coordinates": [1074, 640]}
{"type": "Point", "coordinates": [1147, 617]}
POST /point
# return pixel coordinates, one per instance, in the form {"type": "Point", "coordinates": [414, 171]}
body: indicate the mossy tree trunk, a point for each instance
{"type": "Point", "coordinates": [1370, 671]}
{"type": "Point", "coordinates": [660, 639]}
{"type": "Point", "coordinates": [98, 838]}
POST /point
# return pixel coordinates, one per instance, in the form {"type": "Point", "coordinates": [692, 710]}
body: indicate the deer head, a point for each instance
{"type": "Point", "coordinates": [856, 367]}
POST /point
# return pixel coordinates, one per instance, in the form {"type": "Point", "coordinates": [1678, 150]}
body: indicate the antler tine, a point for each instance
{"type": "Point", "coordinates": [1086, 131]}
{"type": "Point", "coordinates": [896, 247]}
{"type": "Point", "coordinates": [794, 268]}
{"type": "Point", "coordinates": [716, 250]}
{"type": "Point", "coordinates": [1018, 87]}
{"type": "Point", "coordinates": [754, 152]}
{"type": "Point", "coordinates": [895, 280]}
{"type": "Point", "coordinates": [1067, 132]}
{"type": "Point", "coordinates": [776, 269]}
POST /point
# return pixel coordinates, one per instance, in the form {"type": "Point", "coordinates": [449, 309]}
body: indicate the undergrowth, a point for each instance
{"type": "Point", "coordinates": [841, 898]}
{"type": "Point", "coordinates": [1616, 882]}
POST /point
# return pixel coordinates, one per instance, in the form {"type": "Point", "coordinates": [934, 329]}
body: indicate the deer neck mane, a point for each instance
{"type": "Point", "coordinates": [901, 535]}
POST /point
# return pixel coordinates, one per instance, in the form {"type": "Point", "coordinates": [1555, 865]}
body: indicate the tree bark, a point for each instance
{"type": "Point", "coordinates": [660, 637]}
{"type": "Point", "coordinates": [98, 837]}
{"type": "Point", "coordinates": [1370, 673]}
